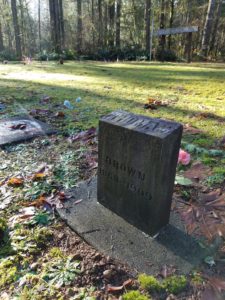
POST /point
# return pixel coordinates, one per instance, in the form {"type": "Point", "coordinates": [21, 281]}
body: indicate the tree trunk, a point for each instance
{"type": "Point", "coordinates": [147, 25]}
{"type": "Point", "coordinates": [61, 24]}
{"type": "Point", "coordinates": [105, 26]}
{"type": "Point", "coordinates": [57, 24]}
{"type": "Point", "coordinates": [57, 27]}
{"type": "Point", "coordinates": [208, 28]}
{"type": "Point", "coordinates": [31, 33]}
{"type": "Point", "coordinates": [1, 39]}
{"type": "Point", "coordinates": [39, 24]}
{"type": "Point", "coordinates": [172, 2]}
{"type": "Point", "coordinates": [52, 22]}
{"type": "Point", "coordinates": [16, 29]}
{"type": "Point", "coordinates": [118, 16]}
{"type": "Point", "coordinates": [93, 22]}
{"type": "Point", "coordinates": [100, 24]}
{"type": "Point", "coordinates": [162, 39]}
{"type": "Point", "coordinates": [215, 29]}
{"type": "Point", "coordinates": [111, 23]}
{"type": "Point", "coordinates": [79, 27]}
{"type": "Point", "coordinates": [22, 27]}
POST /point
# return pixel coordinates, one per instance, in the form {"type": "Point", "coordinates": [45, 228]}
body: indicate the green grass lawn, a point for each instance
{"type": "Point", "coordinates": [31, 249]}
{"type": "Point", "coordinates": [103, 87]}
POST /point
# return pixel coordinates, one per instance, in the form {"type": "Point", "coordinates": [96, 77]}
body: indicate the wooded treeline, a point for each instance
{"type": "Point", "coordinates": [110, 29]}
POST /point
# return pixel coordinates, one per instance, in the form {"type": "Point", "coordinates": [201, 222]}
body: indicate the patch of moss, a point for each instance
{"type": "Point", "coordinates": [6, 250]}
{"type": "Point", "coordinates": [209, 161]}
{"type": "Point", "coordinates": [55, 252]}
{"type": "Point", "coordinates": [196, 279]}
{"type": "Point", "coordinates": [8, 272]}
{"type": "Point", "coordinates": [3, 228]}
{"type": "Point", "coordinates": [149, 283]}
{"type": "Point", "coordinates": [215, 179]}
{"type": "Point", "coordinates": [175, 284]}
{"type": "Point", "coordinates": [41, 236]}
{"type": "Point", "coordinates": [135, 295]}
{"type": "Point", "coordinates": [219, 170]}
{"type": "Point", "coordinates": [38, 290]}
{"type": "Point", "coordinates": [30, 240]}
{"type": "Point", "coordinates": [203, 142]}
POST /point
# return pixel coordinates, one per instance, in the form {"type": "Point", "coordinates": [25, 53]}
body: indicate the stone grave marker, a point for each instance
{"type": "Point", "coordinates": [137, 165]}
{"type": "Point", "coordinates": [21, 128]}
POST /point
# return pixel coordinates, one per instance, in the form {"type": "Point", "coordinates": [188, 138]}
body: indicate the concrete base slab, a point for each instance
{"type": "Point", "coordinates": [113, 236]}
{"type": "Point", "coordinates": [32, 128]}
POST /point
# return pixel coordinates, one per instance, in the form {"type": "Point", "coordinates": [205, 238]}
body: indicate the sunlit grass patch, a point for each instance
{"type": "Point", "coordinates": [103, 87]}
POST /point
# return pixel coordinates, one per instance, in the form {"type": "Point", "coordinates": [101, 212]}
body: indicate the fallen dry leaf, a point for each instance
{"type": "Point", "coordinates": [37, 203]}
{"type": "Point", "coordinates": [191, 130]}
{"type": "Point", "coordinates": [217, 283]}
{"type": "Point", "coordinates": [197, 172]}
{"type": "Point", "coordinates": [27, 212]}
{"type": "Point", "coordinates": [78, 201]}
{"type": "Point", "coordinates": [84, 136]}
{"type": "Point", "coordinates": [40, 112]}
{"type": "Point", "coordinates": [126, 283]}
{"type": "Point", "coordinates": [210, 196]}
{"type": "Point", "coordinates": [20, 126]}
{"type": "Point", "coordinates": [210, 294]}
{"type": "Point", "coordinates": [60, 114]}
{"type": "Point", "coordinates": [56, 200]}
{"type": "Point", "coordinates": [206, 217]}
{"type": "Point", "coordinates": [167, 271]}
{"type": "Point", "coordinates": [15, 182]}
{"type": "Point", "coordinates": [208, 115]}
{"type": "Point", "coordinates": [38, 176]}
{"type": "Point", "coordinates": [62, 196]}
{"type": "Point", "coordinates": [111, 289]}
{"type": "Point", "coordinates": [151, 100]}
{"type": "Point", "coordinates": [154, 104]}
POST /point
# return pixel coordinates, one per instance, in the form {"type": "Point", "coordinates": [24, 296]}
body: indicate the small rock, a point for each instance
{"type": "Point", "coordinates": [112, 267]}
{"type": "Point", "coordinates": [34, 266]}
{"type": "Point", "coordinates": [77, 256]}
{"type": "Point", "coordinates": [107, 274]}
{"type": "Point", "coordinates": [97, 256]}
{"type": "Point", "coordinates": [4, 296]}
{"type": "Point", "coordinates": [171, 297]}
{"type": "Point", "coordinates": [102, 263]}
{"type": "Point", "coordinates": [108, 259]}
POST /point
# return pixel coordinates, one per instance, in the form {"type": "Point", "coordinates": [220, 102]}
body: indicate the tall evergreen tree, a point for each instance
{"type": "Point", "coordinates": [111, 23]}
{"type": "Point", "coordinates": [16, 29]}
{"type": "Point", "coordinates": [147, 25]}
{"type": "Point", "coordinates": [208, 27]}
{"type": "Point", "coordinates": [118, 17]}
{"type": "Point", "coordinates": [57, 24]}
{"type": "Point", "coordinates": [1, 39]}
{"type": "Point", "coordinates": [79, 26]}
{"type": "Point", "coordinates": [100, 24]}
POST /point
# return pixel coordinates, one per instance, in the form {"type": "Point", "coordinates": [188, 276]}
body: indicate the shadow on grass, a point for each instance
{"type": "Point", "coordinates": [141, 71]}
{"type": "Point", "coordinates": [97, 103]}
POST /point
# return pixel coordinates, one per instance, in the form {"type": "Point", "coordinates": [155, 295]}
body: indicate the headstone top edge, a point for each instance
{"type": "Point", "coordinates": [140, 123]}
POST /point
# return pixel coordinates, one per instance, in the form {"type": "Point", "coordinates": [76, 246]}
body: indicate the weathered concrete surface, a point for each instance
{"type": "Point", "coordinates": [33, 129]}
{"type": "Point", "coordinates": [113, 236]}
{"type": "Point", "coordinates": [137, 166]}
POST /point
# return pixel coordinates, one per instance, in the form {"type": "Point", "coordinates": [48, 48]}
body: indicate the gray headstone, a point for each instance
{"type": "Point", "coordinates": [32, 128]}
{"type": "Point", "coordinates": [137, 165]}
